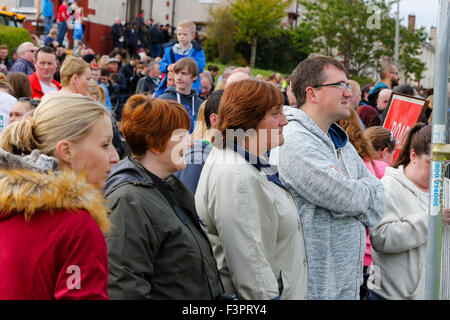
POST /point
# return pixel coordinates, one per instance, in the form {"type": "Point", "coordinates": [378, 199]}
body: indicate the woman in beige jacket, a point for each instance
{"type": "Point", "coordinates": [251, 218]}
{"type": "Point", "coordinates": [399, 242]}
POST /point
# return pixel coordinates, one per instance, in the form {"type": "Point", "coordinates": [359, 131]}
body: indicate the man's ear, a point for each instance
{"type": "Point", "coordinates": [64, 151]}
{"type": "Point", "coordinates": [311, 95]}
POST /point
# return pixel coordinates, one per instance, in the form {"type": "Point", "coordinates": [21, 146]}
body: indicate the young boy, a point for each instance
{"type": "Point", "coordinates": [186, 73]}
{"type": "Point", "coordinates": [184, 47]}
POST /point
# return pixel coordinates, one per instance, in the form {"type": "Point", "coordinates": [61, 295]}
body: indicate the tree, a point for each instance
{"type": "Point", "coordinates": [220, 36]}
{"type": "Point", "coordinates": [361, 32]}
{"type": "Point", "coordinates": [257, 19]}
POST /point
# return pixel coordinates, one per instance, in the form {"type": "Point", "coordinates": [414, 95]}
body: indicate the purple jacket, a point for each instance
{"type": "Point", "coordinates": [22, 65]}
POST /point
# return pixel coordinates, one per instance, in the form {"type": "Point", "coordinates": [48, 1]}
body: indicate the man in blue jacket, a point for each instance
{"type": "Point", "coordinates": [336, 195]}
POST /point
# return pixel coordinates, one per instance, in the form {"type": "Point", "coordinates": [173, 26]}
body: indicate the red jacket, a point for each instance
{"type": "Point", "coordinates": [58, 253]}
{"type": "Point", "coordinates": [36, 89]}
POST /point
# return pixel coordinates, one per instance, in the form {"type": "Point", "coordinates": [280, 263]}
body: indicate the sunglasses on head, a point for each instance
{"type": "Point", "coordinates": [33, 102]}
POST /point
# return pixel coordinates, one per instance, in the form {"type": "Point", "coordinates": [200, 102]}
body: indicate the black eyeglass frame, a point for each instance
{"type": "Point", "coordinates": [334, 84]}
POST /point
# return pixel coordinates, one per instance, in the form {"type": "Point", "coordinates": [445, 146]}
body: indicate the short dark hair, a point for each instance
{"type": "Point", "coordinates": [404, 89]}
{"type": "Point", "coordinates": [104, 72]}
{"type": "Point", "coordinates": [46, 49]}
{"type": "Point", "coordinates": [310, 72]}
{"type": "Point", "coordinates": [213, 68]}
{"type": "Point", "coordinates": [212, 106]}
{"type": "Point", "coordinates": [135, 56]}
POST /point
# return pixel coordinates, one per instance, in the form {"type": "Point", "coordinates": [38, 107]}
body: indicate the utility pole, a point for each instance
{"type": "Point", "coordinates": [436, 242]}
{"type": "Point", "coordinates": [397, 34]}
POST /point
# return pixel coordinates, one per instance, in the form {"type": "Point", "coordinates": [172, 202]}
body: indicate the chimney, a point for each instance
{"type": "Point", "coordinates": [433, 36]}
{"type": "Point", "coordinates": [411, 22]}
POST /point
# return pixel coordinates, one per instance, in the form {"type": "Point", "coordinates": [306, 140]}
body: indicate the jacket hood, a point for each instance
{"type": "Point", "coordinates": [337, 135]}
{"type": "Point", "coordinates": [399, 175]}
{"type": "Point", "coordinates": [126, 171]}
{"type": "Point", "coordinates": [173, 90]}
{"type": "Point", "coordinates": [33, 184]}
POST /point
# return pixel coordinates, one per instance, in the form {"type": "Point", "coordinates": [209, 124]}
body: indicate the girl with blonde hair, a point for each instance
{"type": "Point", "coordinates": [52, 168]}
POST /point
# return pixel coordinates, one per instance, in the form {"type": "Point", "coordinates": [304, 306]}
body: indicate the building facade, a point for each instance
{"type": "Point", "coordinates": [100, 15]}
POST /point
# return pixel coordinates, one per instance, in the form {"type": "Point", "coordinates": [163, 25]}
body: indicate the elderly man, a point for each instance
{"type": "Point", "coordinates": [206, 81]}
{"type": "Point", "coordinates": [42, 81]}
{"type": "Point", "coordinates": [383, 99]}
{"type": "Point", "coordinates": [150, 82]}
{"type": "Point", "coordinates": [236, 76]}
{"type": "Point", "coordinates": [25, 63]}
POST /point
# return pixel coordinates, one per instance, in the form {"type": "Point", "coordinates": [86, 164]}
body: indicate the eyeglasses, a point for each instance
{"type": "Point", "coordinates": [341, 85]}
{"type": "Point", "coordinates": [33, 102]}
{"type": "Point", "coordinates": [32, 50]}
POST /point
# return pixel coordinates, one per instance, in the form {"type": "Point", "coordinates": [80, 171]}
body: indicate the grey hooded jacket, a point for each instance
{"type": "Point", "coordinates": [337, 198]}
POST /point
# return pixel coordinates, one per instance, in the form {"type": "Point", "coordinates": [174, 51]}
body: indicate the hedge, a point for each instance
{"type": "Point", "coordinates": [13, 37]}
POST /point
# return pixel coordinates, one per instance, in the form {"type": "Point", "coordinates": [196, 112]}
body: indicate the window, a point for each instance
{"type": "Point", "coordinates": [26, 3]}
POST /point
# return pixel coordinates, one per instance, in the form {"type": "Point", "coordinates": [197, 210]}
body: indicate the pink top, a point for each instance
{"type": "Point", "coordinates": [377, 169]}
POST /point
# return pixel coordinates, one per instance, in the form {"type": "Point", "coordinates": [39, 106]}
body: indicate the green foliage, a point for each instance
{"type": "Point", "coordinates": [282, 52]}
{"type": "Point", "coordinates": [257, 19]}
{"type": "Point", "coordinates": [220, 36]}
{"type": "Point", "coordinates": [13, 37]}
{"type": "Point", "coordinates": [361, 32]}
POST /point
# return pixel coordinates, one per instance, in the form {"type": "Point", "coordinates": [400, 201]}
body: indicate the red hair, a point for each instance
{"type": "Point", "coordinates": [149, 123]}
{"type": "Point", "coordinates": [245, 103]}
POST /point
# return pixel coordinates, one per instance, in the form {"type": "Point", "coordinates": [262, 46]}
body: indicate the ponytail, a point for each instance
{"type": "Point", "coordinates": [18, 137]}
{"type": "Point", "coordinates": [419, 139]}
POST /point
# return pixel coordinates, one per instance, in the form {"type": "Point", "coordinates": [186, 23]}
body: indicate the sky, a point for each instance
{"type": "Point", "coordinates": [426, 12]}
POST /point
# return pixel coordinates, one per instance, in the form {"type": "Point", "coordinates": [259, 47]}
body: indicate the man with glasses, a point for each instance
{"type": "Point", "coordinates": [389, 79]}
{"type": "Point", "coordinates": [25, 63]}
{"type": "Point", "coordinates": [336, 195]}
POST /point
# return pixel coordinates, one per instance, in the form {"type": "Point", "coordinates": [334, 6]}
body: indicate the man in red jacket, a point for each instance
{"type": "Point", "coordinates": [42, 81]}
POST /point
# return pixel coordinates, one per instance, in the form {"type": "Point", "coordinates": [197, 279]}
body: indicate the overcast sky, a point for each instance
{"type": "Point", "coordinates": [426, 12]}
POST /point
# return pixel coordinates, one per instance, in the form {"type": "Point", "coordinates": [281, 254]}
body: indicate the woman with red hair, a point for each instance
{"type": "Point", "coordinates": [158, 249]}
{"type": "Point", "coordinates": [251, 218]}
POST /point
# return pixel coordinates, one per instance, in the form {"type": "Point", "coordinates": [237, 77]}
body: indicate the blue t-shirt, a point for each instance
{"type": "Point", "coordinates": [47, 8]}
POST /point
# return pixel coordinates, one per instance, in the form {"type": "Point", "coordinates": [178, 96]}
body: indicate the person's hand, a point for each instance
{"type": "Point", "coordinates": [170, 67]}
{"type": "Point", "coordinates": [446, 216]}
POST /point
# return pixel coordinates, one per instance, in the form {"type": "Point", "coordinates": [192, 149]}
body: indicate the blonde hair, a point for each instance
{"type": "Point", "coordinates": [187, 25]}
{"type": "Point", "coordinates": [97, 91]}
{"type": "Point", "coordinates": [53, 31]}
{"type": "Point", "coordinates": [200, 125]}
{"type": "Point", "coordinates": [70, 67]}
{"type": "Point", "coordinates": [66, 116]}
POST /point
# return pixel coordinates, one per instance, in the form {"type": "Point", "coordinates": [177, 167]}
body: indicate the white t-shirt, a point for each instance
{"type": "Point", "coordinates": [6, 103]}
{"type": "Point", "coordinates": [46, 89]}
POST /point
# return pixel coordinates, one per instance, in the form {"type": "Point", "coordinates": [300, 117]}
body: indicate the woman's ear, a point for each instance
{"type": "Point", "coordinates": [64, 151]}
{"type": "Point", "coordinates": [155, 151]}
{"type": "Point", "coordinates": [412, 156]}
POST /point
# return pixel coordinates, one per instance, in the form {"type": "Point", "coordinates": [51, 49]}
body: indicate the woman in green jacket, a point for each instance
{"type": "Point", "coordinates": [157, 249]}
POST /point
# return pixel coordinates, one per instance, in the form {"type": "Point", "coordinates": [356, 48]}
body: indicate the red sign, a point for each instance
{"type": "Point", "coordinates": [404, 112]}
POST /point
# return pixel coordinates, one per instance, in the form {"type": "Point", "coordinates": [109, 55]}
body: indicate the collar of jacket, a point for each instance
{"type": "Point", "coordinates": [336, 134]}
{"type": "Point", "coordinates": [128, 171]}
{"type": "Point", "coordinates": [261, 164]}
{"type": "Point", "coordinates": [33, 184]}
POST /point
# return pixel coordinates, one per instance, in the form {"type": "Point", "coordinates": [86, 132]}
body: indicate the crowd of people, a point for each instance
{"type": "Point", "coordinates": [147, 175]}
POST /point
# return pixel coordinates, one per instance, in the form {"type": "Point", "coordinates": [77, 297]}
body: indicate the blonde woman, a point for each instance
{"type": "Point", "coordinates": [75, 75]}
{"type": "Point", "coordinates": [52, 212]}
